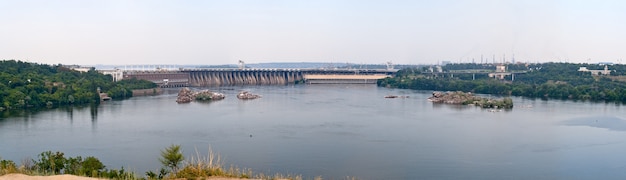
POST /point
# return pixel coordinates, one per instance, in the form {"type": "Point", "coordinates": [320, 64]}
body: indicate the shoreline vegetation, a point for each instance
{"type": "Point", "coordinates": [25, 85]}
{"type": "Point", "coordinates": [540, 80]}
{"type": "Point", "coordinates": [174, 166]}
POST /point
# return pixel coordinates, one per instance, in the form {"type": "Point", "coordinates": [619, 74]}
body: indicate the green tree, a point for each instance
{"type": "Point", "coordinates": [50, 162]}
{"type": "Point", "coordinates": [171, 157]}
{"type": "Point", "coordinates": [73, 165]}
{"type": "Point", "coordinates": [92, 166]}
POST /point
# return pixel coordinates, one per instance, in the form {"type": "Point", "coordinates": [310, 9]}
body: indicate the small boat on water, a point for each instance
{"type": "Point", "coordinates": [391, 96]}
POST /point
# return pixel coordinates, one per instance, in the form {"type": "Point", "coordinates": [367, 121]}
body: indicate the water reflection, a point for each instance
{"type": "Point", "coordinates": [70, 112]}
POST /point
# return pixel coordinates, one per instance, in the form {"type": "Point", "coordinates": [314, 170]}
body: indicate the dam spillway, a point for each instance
{"type": "Point", "coordinates": [233, 76]}
{"type": "Point", "coordinates": [219, 77]}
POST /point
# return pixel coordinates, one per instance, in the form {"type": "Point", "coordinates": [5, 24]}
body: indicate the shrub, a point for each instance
{"type": "Point", "coordinates": [171, 157]}
{"type": "Point", "coordinates": [73, 165]}
{"type": "Point", "coordinates": [50, 162]}
{"type": "Point", "coordinates": [7, 167]}
{"type": "Point", "coordinates": [92, 167]}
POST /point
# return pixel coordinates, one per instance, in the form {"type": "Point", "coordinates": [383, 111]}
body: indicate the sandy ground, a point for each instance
{"type": "Point", "coordinates": [72, 177]}
{"type": "Point", "coordinates": [56, 177]}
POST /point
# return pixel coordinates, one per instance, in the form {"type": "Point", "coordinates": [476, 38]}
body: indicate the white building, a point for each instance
{"type": "Point", "coordinates": [500, 68]}
{"type": "Point", "coordinates": [117, 74]}
{"type": "Point", "coordinates": [606, 71]}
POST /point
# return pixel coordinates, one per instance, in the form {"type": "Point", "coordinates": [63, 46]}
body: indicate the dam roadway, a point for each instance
{"type": "Point", "coordinates": [253, 76]}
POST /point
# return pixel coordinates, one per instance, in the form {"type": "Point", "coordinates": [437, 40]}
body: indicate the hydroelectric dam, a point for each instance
{"type": "Point", "coordinates": [251, 76]}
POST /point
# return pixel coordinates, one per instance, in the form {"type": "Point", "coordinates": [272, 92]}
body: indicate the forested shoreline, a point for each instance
{"type": "Point", "coordinates": [541, 80]}
{"type": "Point", "coordinates": [32, 85]}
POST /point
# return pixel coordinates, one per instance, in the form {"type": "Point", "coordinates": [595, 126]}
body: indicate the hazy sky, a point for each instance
{"type": "Point", "coordinates": [356, 31]}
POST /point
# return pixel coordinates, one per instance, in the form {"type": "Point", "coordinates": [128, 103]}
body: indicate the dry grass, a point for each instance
{"type": "Point", "coordinates": [211, 165]}
{"type": "Point", "coordinates": [196, 167]}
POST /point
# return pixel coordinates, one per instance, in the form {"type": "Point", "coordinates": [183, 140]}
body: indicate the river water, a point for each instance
{"type": "Point", "coordinates": [336, 131]}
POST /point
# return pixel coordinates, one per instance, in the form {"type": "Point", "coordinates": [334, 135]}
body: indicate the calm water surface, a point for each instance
{"type": "Point", "coordinates": [337, 131]}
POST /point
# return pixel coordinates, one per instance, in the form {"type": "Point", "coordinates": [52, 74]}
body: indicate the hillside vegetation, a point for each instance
{"type": "Point", "coordinates": [31, 85]}
{"type": "Point", "coordinates": [543, 80]}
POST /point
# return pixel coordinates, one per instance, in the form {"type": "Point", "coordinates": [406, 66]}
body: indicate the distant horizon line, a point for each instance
{"type": "Point", "coordinates": [329, 62]}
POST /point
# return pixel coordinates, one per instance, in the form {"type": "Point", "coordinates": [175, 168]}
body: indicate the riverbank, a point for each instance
{"type": "Point", "coordinates": [31, 85]}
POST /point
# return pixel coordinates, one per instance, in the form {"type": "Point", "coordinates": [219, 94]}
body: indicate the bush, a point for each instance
{"type": "Point", "coordinates": [73, 165]}
{"type": "Point", "coordinates": [50, 163]}
{"type": "Point", "coordinates": [171, 157]}
{"type": "Point", "coordinates": [92, 167]}
{"type": "Point", "coordinates": [7, 167]}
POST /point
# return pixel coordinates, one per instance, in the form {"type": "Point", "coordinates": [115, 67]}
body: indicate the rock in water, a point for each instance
{"type": "Point", "coordinates": [206, 95]}
{"type": "Point", "coordinates": [247, 95]}
{"type": "Point", "coordinates": [185, 95]}
{"type": "Point", "coordinates": [454, 97]}
{"type": "Point", "coordinates": [469, 98]}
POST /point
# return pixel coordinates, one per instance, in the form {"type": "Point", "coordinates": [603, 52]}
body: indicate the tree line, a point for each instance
{"type": "Point", "coordinates": [32, 85]}
{"type": "Point", "coordinates": [542, 80]}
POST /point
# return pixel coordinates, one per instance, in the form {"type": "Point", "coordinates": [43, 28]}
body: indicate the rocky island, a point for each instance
{"type": "Point", "coordinates": [468, 98]}
{"type": "Point", "coordinates": [185, 95]}
{"type": "Point", "coordinates": [244, 95]}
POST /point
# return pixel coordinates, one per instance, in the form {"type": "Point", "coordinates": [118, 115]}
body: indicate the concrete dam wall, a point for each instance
{"type": "Point", "coordinates": [226, 77]}
{"type": "Point", "coordinates": [243, 77]}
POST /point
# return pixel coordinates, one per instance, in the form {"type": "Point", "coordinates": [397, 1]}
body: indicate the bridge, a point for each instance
{"type": "Point", "coordinates": [501, 75]}
{"type": "Point", "coordinates": [251, 76]}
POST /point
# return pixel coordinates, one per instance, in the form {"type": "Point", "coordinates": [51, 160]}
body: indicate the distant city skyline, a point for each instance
{"type": "Point", "coordinates": [363, 32]}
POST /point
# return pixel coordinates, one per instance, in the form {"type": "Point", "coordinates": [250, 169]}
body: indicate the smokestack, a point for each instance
{"type": "Point", "coordinates": [513, 58]}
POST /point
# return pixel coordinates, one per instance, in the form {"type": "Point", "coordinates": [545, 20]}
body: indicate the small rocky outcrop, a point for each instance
{"type": "Point", "coordinates": [247, 95]}
{"type": "Point", "coordinates": [185, 95]}
{"type": "Point", "coordinates": [468, 98]}
{"type": "Point", "coordinates": [206, 95]}
{"type": "Point", "coordinates": [453, 97]}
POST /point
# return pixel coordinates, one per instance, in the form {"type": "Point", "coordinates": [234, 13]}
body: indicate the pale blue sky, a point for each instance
{"type": "Point", "coordinates": [356, 31]}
